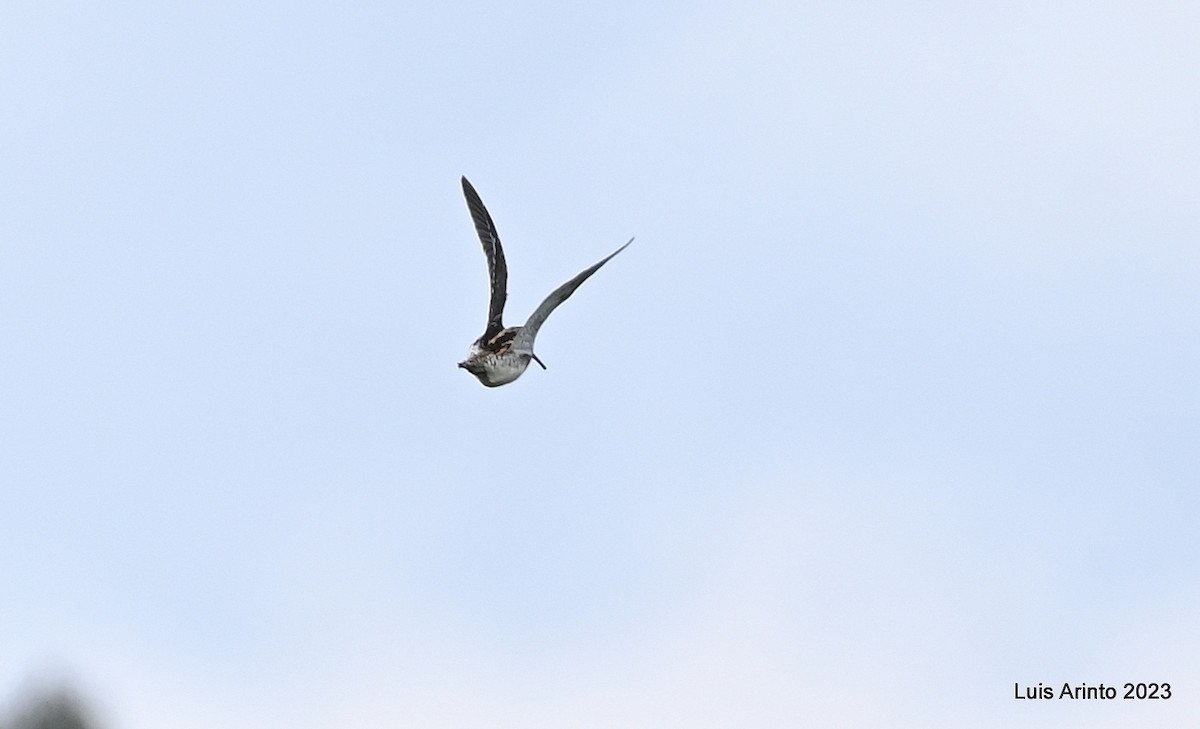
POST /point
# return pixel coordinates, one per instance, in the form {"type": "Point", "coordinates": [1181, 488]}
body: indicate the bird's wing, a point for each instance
{"type": "Point", "coordinates": [523, 343]}
{"type": "Point", "coordinates": [497, 268]}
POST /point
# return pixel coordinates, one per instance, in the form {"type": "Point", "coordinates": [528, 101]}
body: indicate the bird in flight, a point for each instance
{"type": "Point", "coordinates": [501, 355]}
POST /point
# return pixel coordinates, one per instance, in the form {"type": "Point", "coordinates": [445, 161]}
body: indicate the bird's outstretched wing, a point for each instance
{"type": "Point", "coordinates": [523, 342]}
{"type": "Point", "coordinates": [497, 268]}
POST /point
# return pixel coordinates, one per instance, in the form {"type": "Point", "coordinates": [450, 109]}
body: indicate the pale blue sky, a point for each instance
{"type": "Point", "coordinates": [892, 404]}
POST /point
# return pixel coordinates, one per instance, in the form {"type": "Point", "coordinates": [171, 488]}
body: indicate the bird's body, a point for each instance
{"type": "Point", "coordinates": [494, 362]}
{"type": "Point", "coordinates": [503, 354]}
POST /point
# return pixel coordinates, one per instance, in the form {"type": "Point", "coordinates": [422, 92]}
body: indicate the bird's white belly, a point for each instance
{"type": "Point", "coordinates": [503, 369]}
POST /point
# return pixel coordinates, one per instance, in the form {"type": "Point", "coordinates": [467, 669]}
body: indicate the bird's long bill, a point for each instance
{"type": "Point", "coordinates": [535, 359]}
